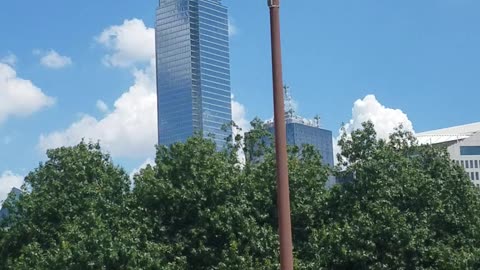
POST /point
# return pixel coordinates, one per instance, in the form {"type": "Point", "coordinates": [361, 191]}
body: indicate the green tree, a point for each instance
{"type": "Point", "coordinates": [307, 179]}
{"type": "Point", "coordinates": [75, 213]}
{"type": "Point", "coordinates": [408, 207]}
{"type": "Point", "coordinates": [220, 213]}
{"type": "Point", "coordinates": [196, 202]}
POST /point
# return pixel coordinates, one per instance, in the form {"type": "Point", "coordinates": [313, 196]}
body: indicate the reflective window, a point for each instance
{"type": "Point", "coordinates": [299, 134]}
{"type": "Point", "coordinates": [193, 69]}
{"type": "Point", "coordinates": [470, 150]}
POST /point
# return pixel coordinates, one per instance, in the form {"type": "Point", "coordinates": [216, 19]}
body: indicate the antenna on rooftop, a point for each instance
{"type": "Point", "coordinates": [317, 120]}
{"type": "Point", "coordinates": [290, 112]}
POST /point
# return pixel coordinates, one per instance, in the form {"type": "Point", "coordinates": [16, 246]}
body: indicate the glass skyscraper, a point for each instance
{"type": "Point", "coordinates": [301, 133]}
{"type": "Point", "coordinates": [193, 70]}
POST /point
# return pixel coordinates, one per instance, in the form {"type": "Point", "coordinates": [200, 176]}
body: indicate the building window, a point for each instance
{"type": "Point", "coordinates": [477, 176]}
{"type": "Point", "coordinates": [466, 164]}
{"type": "Point", "coordinates": [476, 163]}
{"type": "Point", "coordinates": [462, 163]}
{"type": "Point", "coordinates": [471, 163]}
{"type": "Point", "coordinates": [472, 176]}
{"type": "Point", "coordinates": [469, 150]}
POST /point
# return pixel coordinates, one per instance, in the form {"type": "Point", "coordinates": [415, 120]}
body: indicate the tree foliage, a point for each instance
{"type": "Point", "coordinates": [407, 207]}
{"type": "Point", "coordinates": [75, 213]}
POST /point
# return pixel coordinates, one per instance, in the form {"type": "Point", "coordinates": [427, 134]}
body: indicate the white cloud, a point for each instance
{"type": "Point", "coordinates": [232, 28]}
{"type": "Point", "coordinates": [129, 43]}
{"type": "Point", "coordinates": [385, 119]}
{"type": "Point", "coordinates": [144, 165]}
{"type": "Point", "coordinates": [52, 59]}
{"type": "Point", "coordinates": [128, 131]}
{"type": "Point", "coordinates": [147, 162]}
{"type": "Point", "coordinates": [19, 97]}
{"type": "Point", "coordinates": [10, 59]}
{"type": "Point", "coordinates": [102, 106]}
{"type": "Point", "coordinates": [239, 116]}
{"type": "Point", "coordinates": [9, 180]}
{"type": "Point", "coordinates": [336, 150]}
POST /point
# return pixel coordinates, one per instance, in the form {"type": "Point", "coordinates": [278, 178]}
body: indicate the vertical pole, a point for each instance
{"type": "Point", "coordinates": [283, 196]}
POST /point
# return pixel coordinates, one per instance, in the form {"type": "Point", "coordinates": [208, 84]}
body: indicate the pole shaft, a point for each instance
{"type": "Point", "coordinates": [283, 196]}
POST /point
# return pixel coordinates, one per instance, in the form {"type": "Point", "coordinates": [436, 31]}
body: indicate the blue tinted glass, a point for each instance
{"type": "Point", "coordinates": [470, 150]}
{"type": "Point", "coordinates": [321, 139]}
{"type": "Point", "coordinates": [193, 70]}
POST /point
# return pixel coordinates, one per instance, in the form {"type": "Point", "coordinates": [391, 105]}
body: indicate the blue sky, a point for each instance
{"type": "Point", "coordinates": [420, 57]}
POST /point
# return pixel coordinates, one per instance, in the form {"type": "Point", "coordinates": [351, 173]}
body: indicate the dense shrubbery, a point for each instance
{"type": "Point", "coordinates": [409, 207]}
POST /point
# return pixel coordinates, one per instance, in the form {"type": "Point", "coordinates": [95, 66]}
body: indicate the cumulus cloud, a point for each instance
{"type": "Point", "coordinates": [239, 116]}
{"type": "Point", "coordinates": [385, 119]}
{"type": "Point", "coordinates": [52, 59]}
{"type": "Point", "coordinates": [19, 97]}
{"type": "Point", "coordinates": [9, 180]}
{"type": "Point", "coordinates": [102, 106]}
{"type": "Point", "coordinates": [130, 128]}
{"type": "Point", "coordinates": [129, 43]}
{"type": "Point", "coordinates": [128, 131]}
{"type": "Point", "coordinates": [10, 59]}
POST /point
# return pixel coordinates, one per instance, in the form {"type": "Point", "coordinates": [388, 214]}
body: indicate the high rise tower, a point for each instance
{"type": "Point", "coordinates": [193, 70]}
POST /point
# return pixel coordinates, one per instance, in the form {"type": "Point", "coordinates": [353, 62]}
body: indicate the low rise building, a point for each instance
{"type": "Point", "coordinates": [463, 145]}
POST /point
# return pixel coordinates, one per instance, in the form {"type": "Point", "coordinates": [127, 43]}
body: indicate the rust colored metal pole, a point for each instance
{"type": "Point", "coordinates": [283, 193]}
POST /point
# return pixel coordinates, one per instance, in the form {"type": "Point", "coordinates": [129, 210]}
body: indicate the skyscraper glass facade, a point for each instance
{"type": "Point", "coordinates": [193, 70]}
{"type": "Point", "coordinates": [300, 134]}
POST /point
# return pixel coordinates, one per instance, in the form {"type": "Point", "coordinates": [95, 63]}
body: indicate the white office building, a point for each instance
{"type": "Point", "coordinates": [463, 145]}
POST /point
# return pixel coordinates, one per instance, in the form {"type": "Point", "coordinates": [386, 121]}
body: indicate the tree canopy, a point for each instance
{"type": "Point", "coordinates": [406, 207]}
